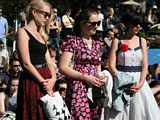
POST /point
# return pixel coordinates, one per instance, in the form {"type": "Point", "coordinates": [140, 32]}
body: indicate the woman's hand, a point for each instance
{"type": "Point", "coordinates": [136, 87]}
{"type": "Point", "coordinates": [94, 81]}
{"type": "Point", "coordinates": [48, 85]}
{"type": "Point", "coordinates": [102, 80]}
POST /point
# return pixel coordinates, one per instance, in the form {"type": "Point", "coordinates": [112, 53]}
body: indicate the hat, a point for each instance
{"type": "Point", "coordinates": [130, 2]}
{"type": "Point", "coordinates": [55, 10]}
{"type": "Point", "coordinates": [99, 7]}
{"type": "Point", "coordinates": [154, 7]}
{"type": "Point", "coordinates": [22, 13]}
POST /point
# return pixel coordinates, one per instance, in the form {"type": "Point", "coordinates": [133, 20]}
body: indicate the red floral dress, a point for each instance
{"type": "Point", "coordinates": [85, 60]}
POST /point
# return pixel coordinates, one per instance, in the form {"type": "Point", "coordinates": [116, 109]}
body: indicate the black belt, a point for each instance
{"type": "Point", "coordinates": [41, 65]}
{"type": "Point", "coordinates": [129, 68]}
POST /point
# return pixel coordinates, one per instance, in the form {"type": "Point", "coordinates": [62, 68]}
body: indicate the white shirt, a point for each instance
{"type": "Point", "coordinates": [101, 17]}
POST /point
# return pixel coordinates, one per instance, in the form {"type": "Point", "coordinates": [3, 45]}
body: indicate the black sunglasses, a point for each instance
{"type": "Point", "coordinates": [94, 23]}
{"type": "Point", "coordinates": [62, 89]}
{"type": "Point", "coordinates": [16, 65]}
{"type": "Point", "coordinates": [44, 13]}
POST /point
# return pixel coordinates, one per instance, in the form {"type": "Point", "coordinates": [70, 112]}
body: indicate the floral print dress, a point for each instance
{"type": "Point", "coordinates": [85, 61]}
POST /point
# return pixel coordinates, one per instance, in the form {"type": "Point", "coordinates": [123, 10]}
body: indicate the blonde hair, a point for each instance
{"type": "Point", "coordinates": [36, 4]}
{"type": "Point", "coordinates": [110, 11]}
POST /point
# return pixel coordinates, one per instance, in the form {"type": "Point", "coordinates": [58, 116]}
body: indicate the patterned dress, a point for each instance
{"type": "Point", "coordinates": [85, 61]}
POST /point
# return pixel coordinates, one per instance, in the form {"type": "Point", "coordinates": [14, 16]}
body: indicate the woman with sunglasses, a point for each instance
{"type": "Point", "coordinates": [38, 76]}
{"type": "Point", "coordinates": [129, 55]}
{"type": "Point", "coordinates": [86, 53]}
{"type": "Point", "coordinates": [61, 86]}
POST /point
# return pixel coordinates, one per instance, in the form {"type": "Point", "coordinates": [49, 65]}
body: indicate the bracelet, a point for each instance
{"type": "Point", "coordinates": [82, 76]}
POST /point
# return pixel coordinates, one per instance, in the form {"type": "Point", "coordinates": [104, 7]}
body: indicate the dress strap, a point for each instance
{"type": "Point", "coordinates": [140, 42]}
{"type": "Point", "coordinates": [29, 34]}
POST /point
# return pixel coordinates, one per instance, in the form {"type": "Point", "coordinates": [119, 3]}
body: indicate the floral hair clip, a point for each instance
{"type": "Point", "coordinates": [124, 48]}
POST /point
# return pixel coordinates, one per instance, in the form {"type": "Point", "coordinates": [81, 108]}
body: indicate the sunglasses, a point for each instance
{"type": "Point", "coordinates": [16, 65]}
{"type": "Point", "coordinates": [44, 13]}
{"type": "Point", "coordinates": [62, 89]}
{"type": "Point", "coordinates": [94, 23]}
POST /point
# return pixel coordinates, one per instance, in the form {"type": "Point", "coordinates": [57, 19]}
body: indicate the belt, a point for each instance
{"type": "Point", "coordinates": [129, 68]}
{"type": "Point", "coordinates": [41, 65]}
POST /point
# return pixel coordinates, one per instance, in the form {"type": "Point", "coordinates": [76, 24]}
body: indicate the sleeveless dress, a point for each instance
{"type": "Point", "coordinates": [29, 106]}
{"type": "Point", "coordinates": [85, 60]}
{"type": "Point", "coordinates": [143, 105]}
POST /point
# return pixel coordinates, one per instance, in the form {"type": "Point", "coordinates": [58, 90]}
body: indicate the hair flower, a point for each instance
{"type": "Point", "coordinates": [124, 48]}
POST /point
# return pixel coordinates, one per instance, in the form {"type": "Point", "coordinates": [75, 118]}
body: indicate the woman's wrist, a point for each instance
{"type": "Point", "coordinates": [41, 82]}
{"type": "Point", "coordinates": [82, 76]}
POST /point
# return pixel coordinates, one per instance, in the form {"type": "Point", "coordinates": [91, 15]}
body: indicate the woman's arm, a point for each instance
{"type": "Point", "coordinates": [66, 70]}
{"type": "Point", "coordinates": [23, 49]}
{"type": "Point", "coordinates": [112, 57]}
{"type": "Point", "coordinates": [144, 62]}
{"type": "Point", "coordinates": [49, 83]}
{"type": "Point", "coordinates": [144, 71]}
{"type": "Point", "coordinates": [2, 103]}
{"type": "Point", "coordinates": [64, 62]}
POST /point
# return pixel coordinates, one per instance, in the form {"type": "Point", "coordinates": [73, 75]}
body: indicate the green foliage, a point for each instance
{"type": "Point", "coordinates": [12, 8]}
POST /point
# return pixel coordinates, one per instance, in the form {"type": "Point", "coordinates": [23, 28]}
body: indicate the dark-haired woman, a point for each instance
{"type": "Point", "coordinates": [133, 61]}
{"type": "Point", "coordinates": [87, 59]}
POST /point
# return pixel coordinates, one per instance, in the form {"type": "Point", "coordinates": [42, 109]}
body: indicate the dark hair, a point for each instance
{"type": "Point", "coordinates": [8, 85]}
{"type": "Point", "coordinates": [1, 42]}
{"type": "Point", "coordinates": [131, 18]}
{"type": "Point", "coordinates": [83, 16]}
{"type": "Point", "coordinates": [58, 82]}
{"type": "Point", "coordinates": [13, 59]}
{"type": "Point", "coordinates": [13, 78]}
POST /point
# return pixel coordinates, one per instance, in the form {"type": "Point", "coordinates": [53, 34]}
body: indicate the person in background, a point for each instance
{"type": "Point", "coordinates": [108, 40]}
{"type": "Point", "coordinates": [23, 20]}
{"type": "Point", "coordinates": [58, 19]}
{"type": "Point", "coordinates": [14, 54]}
{"type": "Point", "coordinates": [129, 55]}
{"type": "Point", "coordinates": [67, 24]}
{"type": "Point", "coordinates": [15, 68]}
{"type": "Point", "coordinates": [8, 97]}
{"type": "Point", "coordinates": [150, 19]}
{"type": "Point", "coordinates": [101, 18]}
{"type": "Point", "coordinates": [3, 29]}
{"type": "Point", "coordinates": [156, 74]}
{"type": "Point", "coordinates": [110, 21]}
{"type": "Point", "coordinates": [38, 76]}
{"type": "Point", "coordinates": [87, 63]}
{"type": "Point", "coordinates": [53, 54]}
{"type": "Point", "coordinates": [54, 28]}
{"type": "Point", "coordinates": [105, 61]}
{"type": "Point", "coordinates": [155, 87]}
{"type": "Point", "coordinates": [4, 56]}
{"type": "Point", "coordinates": [61, 86]}
{"type": "Point", "coordinates": [12, 94]}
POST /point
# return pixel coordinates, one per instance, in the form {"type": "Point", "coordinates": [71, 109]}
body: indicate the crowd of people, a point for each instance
{"type": "Point", "coordinates": [66, 54]}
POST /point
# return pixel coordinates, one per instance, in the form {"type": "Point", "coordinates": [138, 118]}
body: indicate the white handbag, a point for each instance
{"type": "Point", "coordinates": [55, 107]}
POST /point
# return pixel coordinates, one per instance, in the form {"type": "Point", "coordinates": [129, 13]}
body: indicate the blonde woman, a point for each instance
{"type": "Point", "coordinates": [38, 76]}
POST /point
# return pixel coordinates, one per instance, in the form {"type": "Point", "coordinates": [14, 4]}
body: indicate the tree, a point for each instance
{"type": "Point", "coordinates": [12, 8]}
